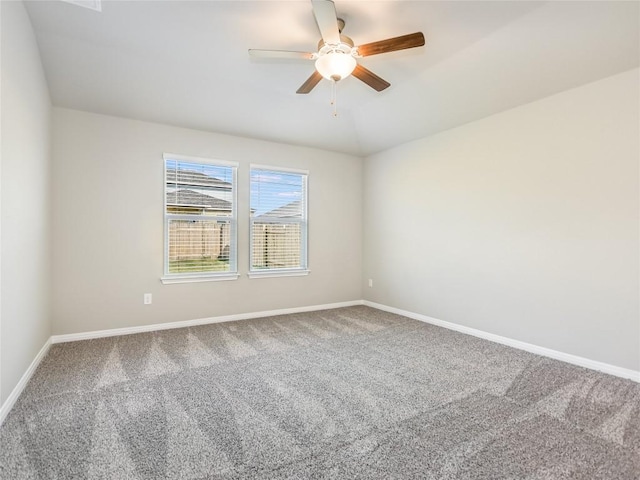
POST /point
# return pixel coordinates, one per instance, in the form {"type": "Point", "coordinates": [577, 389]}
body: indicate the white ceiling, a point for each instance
{"type": "Point", "coordinates": [185, 63]}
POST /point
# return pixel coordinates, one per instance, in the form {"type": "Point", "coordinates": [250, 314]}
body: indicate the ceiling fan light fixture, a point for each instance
{"type": "Point", "coordinates": [335, 65]}
{"type": "Point", "coordinates": [337, 54]}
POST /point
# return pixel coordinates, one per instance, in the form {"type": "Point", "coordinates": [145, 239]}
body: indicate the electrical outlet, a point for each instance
{"type": "Point", "coordinates": [147, 299]}
{"type": "Point", "coordinates": [370, 283]}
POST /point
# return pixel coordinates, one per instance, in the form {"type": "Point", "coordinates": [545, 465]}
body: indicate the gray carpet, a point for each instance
{"type": "Point", "coordinates": [345, 393]}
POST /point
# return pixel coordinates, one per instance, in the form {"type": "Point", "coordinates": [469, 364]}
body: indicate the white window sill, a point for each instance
{"type": "Point", "coordinates": [276, 273]}
{"type": "Point", "coordinates": [169, 279]}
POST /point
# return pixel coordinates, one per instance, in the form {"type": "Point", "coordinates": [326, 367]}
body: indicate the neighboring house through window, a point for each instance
{"type": "Point", "coordinates": [278, 222]}
{"type": "Point", "coordinates": [200, 219]}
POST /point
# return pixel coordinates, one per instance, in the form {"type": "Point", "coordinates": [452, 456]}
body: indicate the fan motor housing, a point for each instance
{"type": "Point", "coordinates": [344, 40]}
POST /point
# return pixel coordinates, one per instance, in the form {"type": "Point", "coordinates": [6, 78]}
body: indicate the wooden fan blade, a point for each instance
{"type": "Point", "coordinates": [311, 82]}
{"type": "Point", "coordinates": [392, 44]}
{"type": "Point", "coordinates": [281, 54]}
{"type": "Point", "coordinates": [327, 20]}
{"type": "Point", "coordinates": [370, 78]}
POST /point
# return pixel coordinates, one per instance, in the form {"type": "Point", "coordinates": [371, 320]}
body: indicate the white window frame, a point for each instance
{"type": "Point", "coordinates": [303, 222]}
{"type": "Point", "coordinates": [169, 278]}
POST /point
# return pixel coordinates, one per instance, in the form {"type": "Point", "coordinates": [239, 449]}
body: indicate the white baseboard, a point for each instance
{"type": "Point", "coordinates": [15, 393]}
{"type": "Point", "coordinates": [546, 352]}
{"type": "Point", "coordinates": [72, 337]}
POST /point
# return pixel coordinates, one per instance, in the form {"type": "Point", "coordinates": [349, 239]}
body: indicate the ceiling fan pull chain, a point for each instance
{"type": "Point", "coordinates": [332, 100]}
{"type": "Point", "coordinates": [334, 97]}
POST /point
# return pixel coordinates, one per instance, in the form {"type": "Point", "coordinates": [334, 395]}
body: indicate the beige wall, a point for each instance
{"type": "Point", "coordinates": [523, 224]}
{"type": "Point", "coordinates": [24, 187]}
{"type": "Point", "coordinates": [108, 225]}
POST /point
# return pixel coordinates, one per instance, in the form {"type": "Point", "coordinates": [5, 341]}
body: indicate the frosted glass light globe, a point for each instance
{"type": "Point", "coordinates": [335, 65]}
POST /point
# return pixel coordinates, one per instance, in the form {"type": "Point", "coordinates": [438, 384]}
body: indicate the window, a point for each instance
{"type": "Point", "coordinates": [200, 220]}
{"type": "Point", "coordinates": [278, 222]}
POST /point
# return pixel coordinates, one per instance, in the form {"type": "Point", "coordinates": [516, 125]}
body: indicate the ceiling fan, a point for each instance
{"type": "Point", "coordinates": [337, 56]}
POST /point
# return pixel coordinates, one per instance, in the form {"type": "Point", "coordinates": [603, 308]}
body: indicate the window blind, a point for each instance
{"type": "Point", "coordinates": [278, 220]}
{"type": "Point", "coordinates": [200, 217]}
